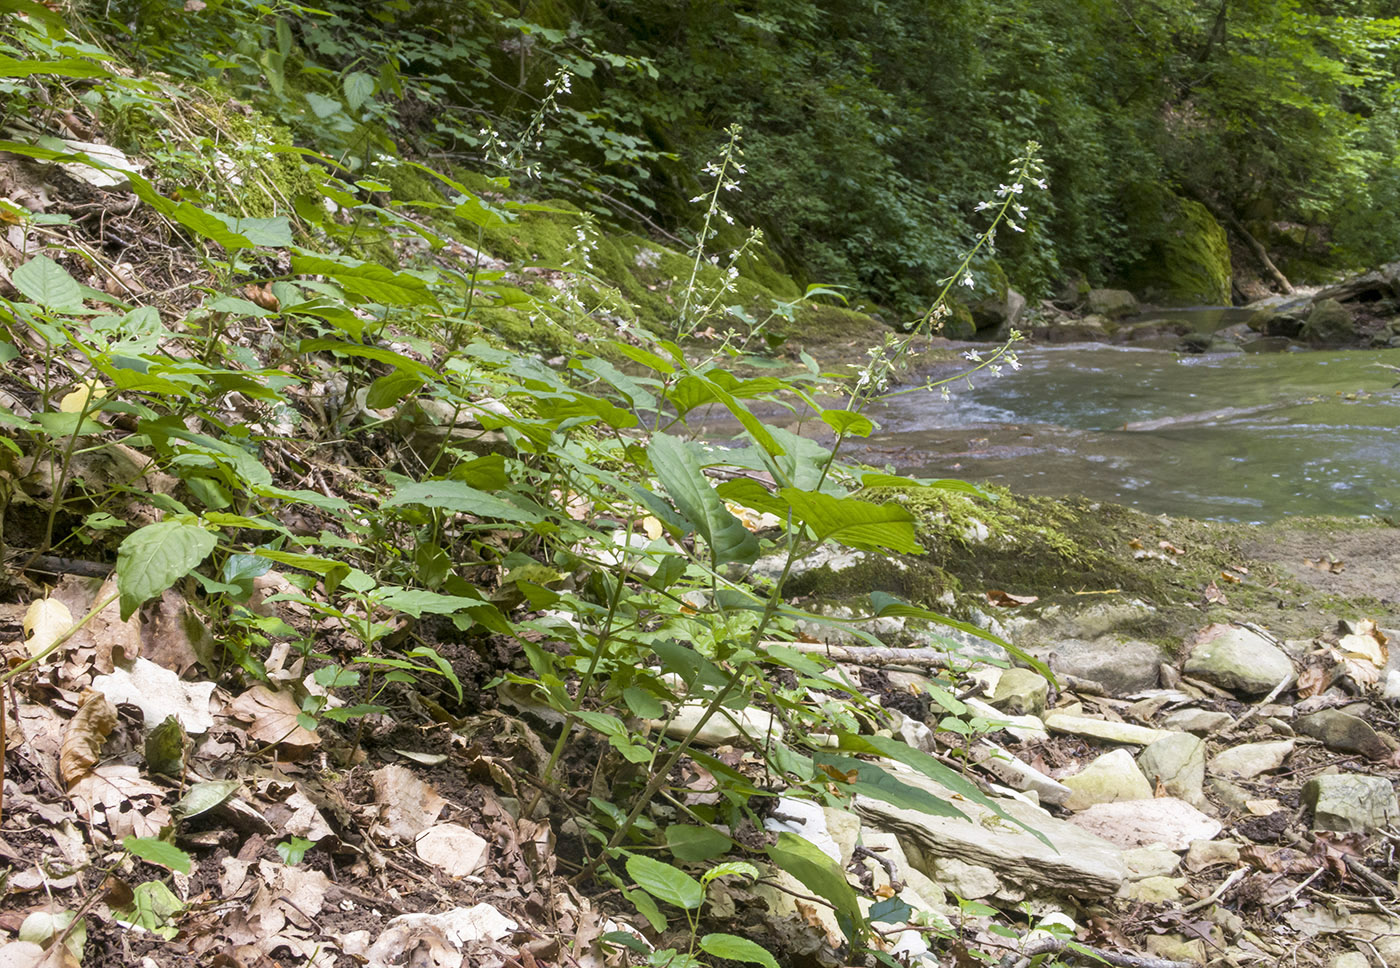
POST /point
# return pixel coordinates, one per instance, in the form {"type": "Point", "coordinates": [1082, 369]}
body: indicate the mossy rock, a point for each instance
{"type": "Point", "coordinates": [1187, 258]}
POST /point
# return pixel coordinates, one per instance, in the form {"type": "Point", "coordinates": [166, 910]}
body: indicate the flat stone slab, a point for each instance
{"type": "Point", "coordinates": [1080, 862]}
{"type": "Point", "coordinates": [1137, 823]}
{"type": "Point", "coordinates": [1103, 729]}
{"type": "Point", "coordinates": [1251, 759]}
{"type": "Point", "coordinates": [1351, 802]}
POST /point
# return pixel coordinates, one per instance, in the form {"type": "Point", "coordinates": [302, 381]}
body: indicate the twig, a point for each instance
{"type": "Point", "coordinates": [1218, 893]}
{"type": "Point", "coordinates": [1254, 710]}
{"type": "Point", "coordinates": [1021, 958]}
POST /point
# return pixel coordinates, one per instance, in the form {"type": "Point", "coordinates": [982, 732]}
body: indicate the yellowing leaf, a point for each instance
{"type": "Point", "coordinates": [45, 620]}
{"type": "Point", "coordinates": [78, 398]}
{"type": "Point", "coordinates": [652, 528]}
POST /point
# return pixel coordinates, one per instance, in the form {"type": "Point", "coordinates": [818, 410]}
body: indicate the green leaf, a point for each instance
{"type": "Point", "coordinates": [210, 225]}
{"type": "Point", "coordinates": [627, 940]}
{"type": "Point", "coordinates": [848, 423]}
{"type": "Point", "coordinates": [47, 283]}
{"type": "Point", "coordinates": [696, 843]}
{"type": "Point", "coordinates": [203, 797]}
{"type": "Point", "coordinates": [693, 668]}
{"type": "Point", "coordinates": [323, 107]}
{"type": "Point", "coordinates": [643, 704]}
{"type": "Point", "coordinates": [871, 781]}
{"type": "Point", "coordinates": [734, 948]}
{"type": "Point", "coordinates": [457, 496]}
{"type": "Point", "coordinates": [67, 424]}
{"type": "Point", "coordinates": [153, 558]}
{"type": "Point", "coordinates": [358, 87]}
{"type": "Point", "coordinates": [666, 883]}
{"type": "Point", "coordinates": [389, 389]}
{"type": "Point", "coordinates": [685, 483]}
{"type": "Point", "coordinates": [417, 602]}
{"type": "Point", "coordinates": [68, 67]}
{"type": "Point", "coordinates": [331, 570]}
{"type": "Point", "coordinates": [821, 875]}
{"type": "Point", "coordinates": [368, 280]}
{"type": "Point", "coordinates": [159, 852]}
{"type": "Point", "coordinates": [853, 522]}
{"type": "Point", "coordinates": [643, 902]}
{"type": "Point", "coordinates": [273, 233]}
{"type": "Point", "coordinates": [950, 484]}
{"type": "Point", "coordinates": [932, 768]}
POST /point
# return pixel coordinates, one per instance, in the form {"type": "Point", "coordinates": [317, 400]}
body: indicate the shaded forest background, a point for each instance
{"type": "Point", "coordinates": [872, 127]}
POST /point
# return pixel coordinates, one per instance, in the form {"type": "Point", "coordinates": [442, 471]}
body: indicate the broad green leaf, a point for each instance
{"type": "Point", "coordinates": [848, 423]}
{"type": "Point", "coordinates": [872, 781]}
{"type": "Point", "coordinates": [638, 355]}
{"type": "Point", "coordinates": [853, 522]}
{"type": "Point", "coordinates": [47, 283]}
{"type": "Point", "coordinates": [644, 704]}
{"type": "Point", "coordinates": [690, 843]}
{"type": "Point", "coordinates": [693, 668]}
{"type": "Point", "coordinates": [237, 306]}
{"type": "Point", "coordinates": [644, 904]}
{"type": "Point", "coordinates": [734, 948]}
{"type": "Point", "coordinates": [457, 496]}
{"type": "Point", "coordinates": [211, 226]}
{"type": "Point", "coordinates": [153, 558]}
{"type": "Point", "coordinates": [417, 602]}
{"type": "Point", "coordinates": [932, 768]}
{"type": "Point", "coordinates": [203, 797]}
{"type": "Point", "coordinates": [368, 280]}
{"type": "Point", "coordinates": [323, 107]}
{"type": "Point", "coordinates": [389, 389]}
{"type": "Point", "coordinates": [666, 883]}
{"type": "Point", "coordinates": [949, 484]}
{"type": "Point", "coordinates": [685, 483]}
{"type": "Point", "coordinates": [821, 875]}
{"type": "Point", "coordinates": [331, 570]}
{"type": "Point", "coordinates": [377, 353]}
{"type": "Point", "coordinates": [160, 852]}
{"type": "Point", "coordinates": [66, 424]}
{"type": "Point", "coordinates": [358, 87]}
{"type": "Point", "coordinates": [273, 233]}
{"type": "Point", "coordinates": [67, 67]}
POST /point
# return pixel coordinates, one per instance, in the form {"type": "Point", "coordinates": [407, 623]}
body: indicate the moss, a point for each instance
{"type": "Point", "coordinates": [959, 324]}
{"type": "Point", "coordinates": [1187, 259]}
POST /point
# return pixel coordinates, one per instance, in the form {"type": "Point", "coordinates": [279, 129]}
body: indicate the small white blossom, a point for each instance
{"type": "Point", "coordinates": [973, 355]}
{"type": "Point", "coordinates": [945, 394]}
{"type": "Point", "coordinates": [968, 281]}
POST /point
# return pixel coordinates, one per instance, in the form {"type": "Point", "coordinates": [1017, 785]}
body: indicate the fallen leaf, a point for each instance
{"type": "Point", "coordinates": [1168, 546]}
{"type": "Point", "coordinates": [81, 396]}
{"type": "Point", "coordinates": [454, 848]}
{"type": "Point", "coordinates": [83, 739]}
{"type": "Point", "coordinates": [262, 295]}
{"type": "Point", "coordinates": [407, 805]}
{"type": "Point", "coordinates": [1214, 595]}
{"type": "Point", "coordinates": [1328, 564]}
{"type": "Point", "coordinates": [44, 621]}
{"type": "Point", "coordinates": [1313, 681]}
{"type": "Point", "coordinates": [159, 694]}
{"type": "Point", "coordinates": [1003, 599]}
{"type": "Point", "coordinates": [273, 718]}
{"type": "Point", "coordinates": [1232, 579]}
{"type": "Point", "coordinates": [114, 788]}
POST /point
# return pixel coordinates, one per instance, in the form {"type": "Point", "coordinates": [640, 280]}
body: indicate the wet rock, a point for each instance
{"type": "Point", "coordinates": [1329, 322]}
{"type": "Point", "coordinates": [1251, 759]}
{"type": "Point", "coordinates": [1199, 721]}
{"type": "Point", "coordinates": [1020, 692]}
{"type": "Point", "coordinates": [1123, 667]}
{"type": "Point", "coordinates": [1078, 863]}
{"type": "Point", "coordinates": [1103, 729]}
{"type": "Point", "coordinates": [1114, 303]}
{"type": "Point", "coordinates": [1176, 764]}
{"type": "Point", "coordinates": [1136, 823]}
{"type": "Point", "coordinates": [1237, 659]}
{"type": "Point", "coordinates": [1113, 776]}
{"type": "Point", "coordinates": [1350, 802]}
{"type": "Point", "coordinates": [1343, 732]}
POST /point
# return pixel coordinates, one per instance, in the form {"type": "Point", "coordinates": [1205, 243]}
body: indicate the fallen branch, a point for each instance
{"type": "Point", "coordinates": [870, 655]}
{"type": "Point", "coordinates": [1022, 958]}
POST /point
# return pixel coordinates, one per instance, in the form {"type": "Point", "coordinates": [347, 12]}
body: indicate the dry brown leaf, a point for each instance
{"type": "Point", "coordinates": [1215, 596]}
{"type": "Point", "coordinates": [106, 634]}
{"type": "Point", "coordinates": [44, 621]}
{"type": "Point", "coordinates": [1232, 579]}
{"type": "Point", "coordinates": [407, 805]}
{"type": "Point", "coordinates": [1168, 546]}
{"type": "Point", "coordinates": [1136, 545]}
{"type": "Point", "coordinates": [273, 719]}
{"type": "Point", "coordinates": [262, 295]}
{"type": "Point", "coordinates": [175, 635]}
{"type": "Point", "coordinates": [1328, 564]}
{"type": "Point", "coordinates": [113, 789]}
{"type": "Point", "coordinates": [996, 596]}
{"type": "Point", "coordinates": [1313, 681]}
{"type": "Point", "coordinates": [83, 739]}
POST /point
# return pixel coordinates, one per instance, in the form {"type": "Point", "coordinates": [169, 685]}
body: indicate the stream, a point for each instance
{"type": "Point", "coordinates": [1252, 436]}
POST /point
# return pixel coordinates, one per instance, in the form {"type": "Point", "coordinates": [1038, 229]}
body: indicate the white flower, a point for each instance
{"type": "Point", "coordinates": [1014, 226]}
{"type": "Point", "coordinates": [983, 206]}
{"type": "Point", "coordinates": [968, 281]}
{"type": "Point", "coordinates": [1012, 361]}
{"type": "Point", "coordinates": [973, 355]}
{"type": "Point", "coordinates": [945, 394]}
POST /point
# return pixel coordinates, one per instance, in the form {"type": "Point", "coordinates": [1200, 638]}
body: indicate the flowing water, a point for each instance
{"type": "Point", "coordinates": [1241, 436]}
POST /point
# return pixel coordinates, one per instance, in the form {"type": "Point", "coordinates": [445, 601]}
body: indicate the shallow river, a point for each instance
{"type": "Point", "coordinates": [1251, 437]}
